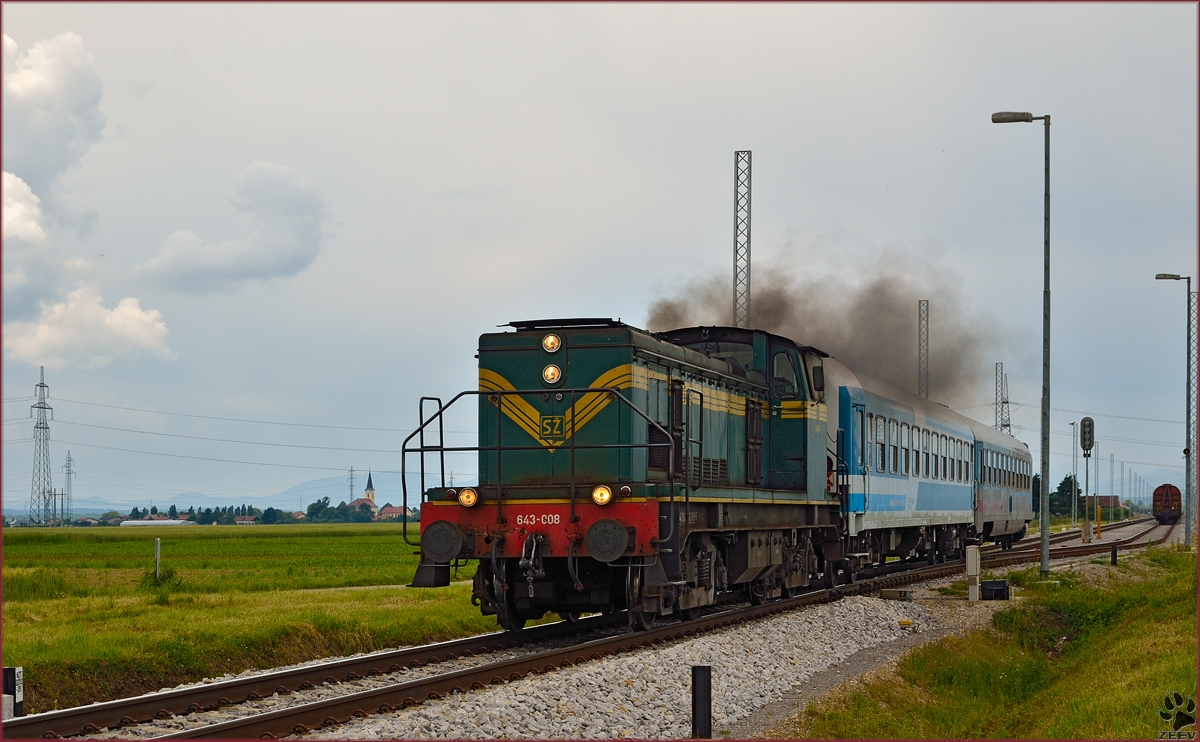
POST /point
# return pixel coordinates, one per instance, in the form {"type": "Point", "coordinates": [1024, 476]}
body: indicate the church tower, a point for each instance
{"type": "Point", "coordinates": [369, 492]}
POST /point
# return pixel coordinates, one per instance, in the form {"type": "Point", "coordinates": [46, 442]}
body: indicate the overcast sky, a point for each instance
{"type": "Point", "coordinates": [277, 226]}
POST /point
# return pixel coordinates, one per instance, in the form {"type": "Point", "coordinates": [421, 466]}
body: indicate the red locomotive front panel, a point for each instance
{"type": "Point", "coordinates": [605, 533]}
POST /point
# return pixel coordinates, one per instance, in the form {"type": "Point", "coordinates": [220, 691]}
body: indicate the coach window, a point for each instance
{"type": "Point", "coordinates": [785, 384]}
{"type": "Point", "coordinates": [925, 452]}
{"type": "Point", "coordinates": [905, 443]}
{"type": "Point", "coordinates": [916, 452]}
{"type": "Point", "coordinates": [862, 440]}
{"type": "Point", "coordinates": [958, 463]}
{"type": "Point", "coordinates": [880, 443]}
{"type": "Point", "coordinates": [894, 439]}
{"type": "Point", "coordinates": [970, 460]}
{"type": "Point", "coordinates": [870, 440]}
{"type": "Point", "coordinates": [941, 449]}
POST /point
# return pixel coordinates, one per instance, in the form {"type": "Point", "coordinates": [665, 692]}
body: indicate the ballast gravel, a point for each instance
{"type": "Point", "coordinates": [646, 694]}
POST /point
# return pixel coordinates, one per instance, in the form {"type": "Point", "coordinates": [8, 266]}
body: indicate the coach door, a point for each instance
{"type": "Point", "coordinates": [788, 465]}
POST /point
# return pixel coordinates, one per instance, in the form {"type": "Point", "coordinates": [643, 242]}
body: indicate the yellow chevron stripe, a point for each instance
{"type": "Point", "coordinates": [585, 408]}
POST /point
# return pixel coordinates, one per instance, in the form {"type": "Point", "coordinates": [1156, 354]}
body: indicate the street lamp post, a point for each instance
{"type": "Point", "coordinates": [1189, 475]}
{"type": "Point", "coordinates": [1026, 117]}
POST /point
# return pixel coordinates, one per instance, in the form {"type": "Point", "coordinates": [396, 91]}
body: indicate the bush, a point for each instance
{"type": "Point", "coordinates": [166, 581]}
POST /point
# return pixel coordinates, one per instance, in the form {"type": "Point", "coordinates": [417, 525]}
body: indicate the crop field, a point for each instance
{"type": "Point", "coordinates": [85, 617]}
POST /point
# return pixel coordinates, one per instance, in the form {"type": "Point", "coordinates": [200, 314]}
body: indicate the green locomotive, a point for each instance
{"type": "Point", "coordinates": [625, 470]}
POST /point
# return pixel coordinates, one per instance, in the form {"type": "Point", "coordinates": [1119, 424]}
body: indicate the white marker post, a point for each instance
{"type": "Point", "coordinates": [973, 573]}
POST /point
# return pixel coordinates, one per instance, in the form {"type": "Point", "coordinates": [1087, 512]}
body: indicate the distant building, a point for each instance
{"type": "Point", "coordinates": [245, 520]}
{"type": "Point", "coordinates": [393, 512]}
{"type": "Point", "coordinates": [299, 515]}
{"type": "Point", "coordinates": [367, 499]}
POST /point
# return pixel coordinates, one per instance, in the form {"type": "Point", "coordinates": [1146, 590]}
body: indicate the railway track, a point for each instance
{"type": "Point", "coordinates": [307, 716]}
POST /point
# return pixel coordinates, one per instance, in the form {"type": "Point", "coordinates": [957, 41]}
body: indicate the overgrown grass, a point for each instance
{"type": "Point", "coordinates": [1071, 661]}
{"type": "Point", "coordinates": [85, 615]}
{"type": "Point", "coordinates": [215, 559]}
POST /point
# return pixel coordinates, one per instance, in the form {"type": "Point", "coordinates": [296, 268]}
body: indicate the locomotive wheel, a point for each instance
{"type": "Point", "coordinates": [758, 593]}
{"type": "Point", "coordinates": [638, 620]}
{"type": "Point", "coordinates": [690, 614]}
{"type": "Point", "coordinates": [569, 616]}
{"type": "Point", "coordinates": [506, 609]}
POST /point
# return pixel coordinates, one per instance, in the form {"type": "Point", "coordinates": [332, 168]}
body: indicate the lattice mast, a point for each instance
{"type": "Point", "coordinates": [41, 496]}
{"type": "Point", "coordinates": [923, 348]}
{"type": "Point", "coordinates": [69, 472]}
{"type": "Point", "coordinates": [741, 238]}
{"type": "Point", "coordinates": [351, 480]}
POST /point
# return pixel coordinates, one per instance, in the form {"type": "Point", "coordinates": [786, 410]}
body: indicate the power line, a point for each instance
{"type": "Point", "coordinates": [200, 458]}
{"type": "Point", "coordinates": [221, 386]}
{"type": "Point", "coordinates": [228, 440]}
{"type": "Point", "coordinates": [1108, 438]}
{"type": "Point", "coordinates": [247, 420]}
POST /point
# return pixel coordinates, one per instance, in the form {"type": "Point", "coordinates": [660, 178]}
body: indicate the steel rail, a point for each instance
{"type": "Point", "coordinates": [93, 717]}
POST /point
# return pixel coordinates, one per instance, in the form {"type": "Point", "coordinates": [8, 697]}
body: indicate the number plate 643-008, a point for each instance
{"type": "Point", "coordinates": [543, 519]}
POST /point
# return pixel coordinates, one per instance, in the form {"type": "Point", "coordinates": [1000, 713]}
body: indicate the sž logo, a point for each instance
{"type": "Point", "coordinates": [1179, 712]}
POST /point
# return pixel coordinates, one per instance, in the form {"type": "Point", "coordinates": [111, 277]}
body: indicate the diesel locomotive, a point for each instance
{"type": "Point", "coordinates": [659, 473]}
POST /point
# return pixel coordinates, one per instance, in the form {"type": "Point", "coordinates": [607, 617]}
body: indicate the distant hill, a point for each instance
{"type": "Point", "coordinates": [297, 497]}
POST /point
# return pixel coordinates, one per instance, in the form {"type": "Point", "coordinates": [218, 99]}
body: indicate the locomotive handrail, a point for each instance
{"type": "Point", "coordinates": [499, 447]}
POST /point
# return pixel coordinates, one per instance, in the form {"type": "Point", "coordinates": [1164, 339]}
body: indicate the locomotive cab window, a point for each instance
{"type": "Point", "coordinates": [784, 382]}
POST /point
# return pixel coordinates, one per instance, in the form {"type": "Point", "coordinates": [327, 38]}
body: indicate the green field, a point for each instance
{"type": "Point", "coordinates": [1074, 661]}
{"type": "Point", "coordinates": [84, 618]}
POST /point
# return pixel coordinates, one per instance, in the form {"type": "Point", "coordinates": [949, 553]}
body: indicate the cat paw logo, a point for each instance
{"type": "Point", "coordinates": [1179, 712]}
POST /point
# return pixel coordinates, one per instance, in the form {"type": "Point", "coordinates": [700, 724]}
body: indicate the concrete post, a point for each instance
{"type": "Point", "coordinates": [973, 573]}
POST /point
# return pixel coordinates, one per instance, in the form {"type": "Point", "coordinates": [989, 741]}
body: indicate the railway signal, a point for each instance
{"type": "Point", "coordinates": [1087, 440]}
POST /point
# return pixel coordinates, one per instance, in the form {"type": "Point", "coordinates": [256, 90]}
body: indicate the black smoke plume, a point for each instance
{"type": "Point", "coordinates": [869, 323]}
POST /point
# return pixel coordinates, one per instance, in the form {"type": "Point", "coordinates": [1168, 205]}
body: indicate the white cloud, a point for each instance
{"type": "Point", "coordinates": [51, 96]}
{"type": "Point", "coordinates": [288, 213]}
{"type": "Point", "coordinates": [22, 213]}
{"type": "Point", "coordinates": [80, 331]}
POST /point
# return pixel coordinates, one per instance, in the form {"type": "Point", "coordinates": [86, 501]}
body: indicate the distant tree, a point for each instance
{"type": "Point", "coordinates": [110, 514]}
{"type": "Point", "coordinates": [343, 511]}
{"type": "Point", "coordinates": [270, 515]}
{"type": "Point", "coordinates": [386, 505]}
{"type": "Point", "coordinates": [361, 514]}
{"type": "Point", "coordinates": [1060, 499]}
{"type": "Point", "coordinates": [191, 511]}
{"type": "Point", "coordinates": [135, 513]}
{"type": "Point", "coordinates": [154, 510]}
{"type": "Point", "coordinates": [173, 512]}
{"type": "Point", "coordinates": [208, 516]}
{"type": "Point", "coordinates": [315, 509]}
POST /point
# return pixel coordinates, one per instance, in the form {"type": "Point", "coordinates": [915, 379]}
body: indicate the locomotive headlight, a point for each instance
{"type": "Point", "coordinates": [467, 497]}
{"type": "Point", "coordinates": [551, 343]}
{"type": "Point", "coordinates": [601, 495]}
{"type": "Point", "coordinates": [551, 374]}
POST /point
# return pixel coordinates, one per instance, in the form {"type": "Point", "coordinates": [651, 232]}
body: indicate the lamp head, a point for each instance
{"type": "Point", "coordinates": [1168, 277]}
{"type": "Point", "coordinates": [1011, 117]}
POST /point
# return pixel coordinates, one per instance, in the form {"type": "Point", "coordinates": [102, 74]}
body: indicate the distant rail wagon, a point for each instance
{"type": "Point", "coordinates": [1167, 503]}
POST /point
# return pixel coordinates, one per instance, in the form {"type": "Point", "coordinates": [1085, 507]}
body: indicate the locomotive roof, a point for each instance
{"type": "Point", "coordinates": [718, 333]}
{"type": "Point", "coordinates": [545, 324]}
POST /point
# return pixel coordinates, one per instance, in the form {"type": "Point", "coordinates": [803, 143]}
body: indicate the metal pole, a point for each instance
{"type": "Point", "coordinates": [1045, 493]}
{"type": "Point", "coordinates": [1087, 526]}
{"type": "Point", "coordinates": [157, 557]}
{"type": "Point", "coordinates": [1189, 475]}
{"type": "Point", "coordinates": [1074, 474]}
